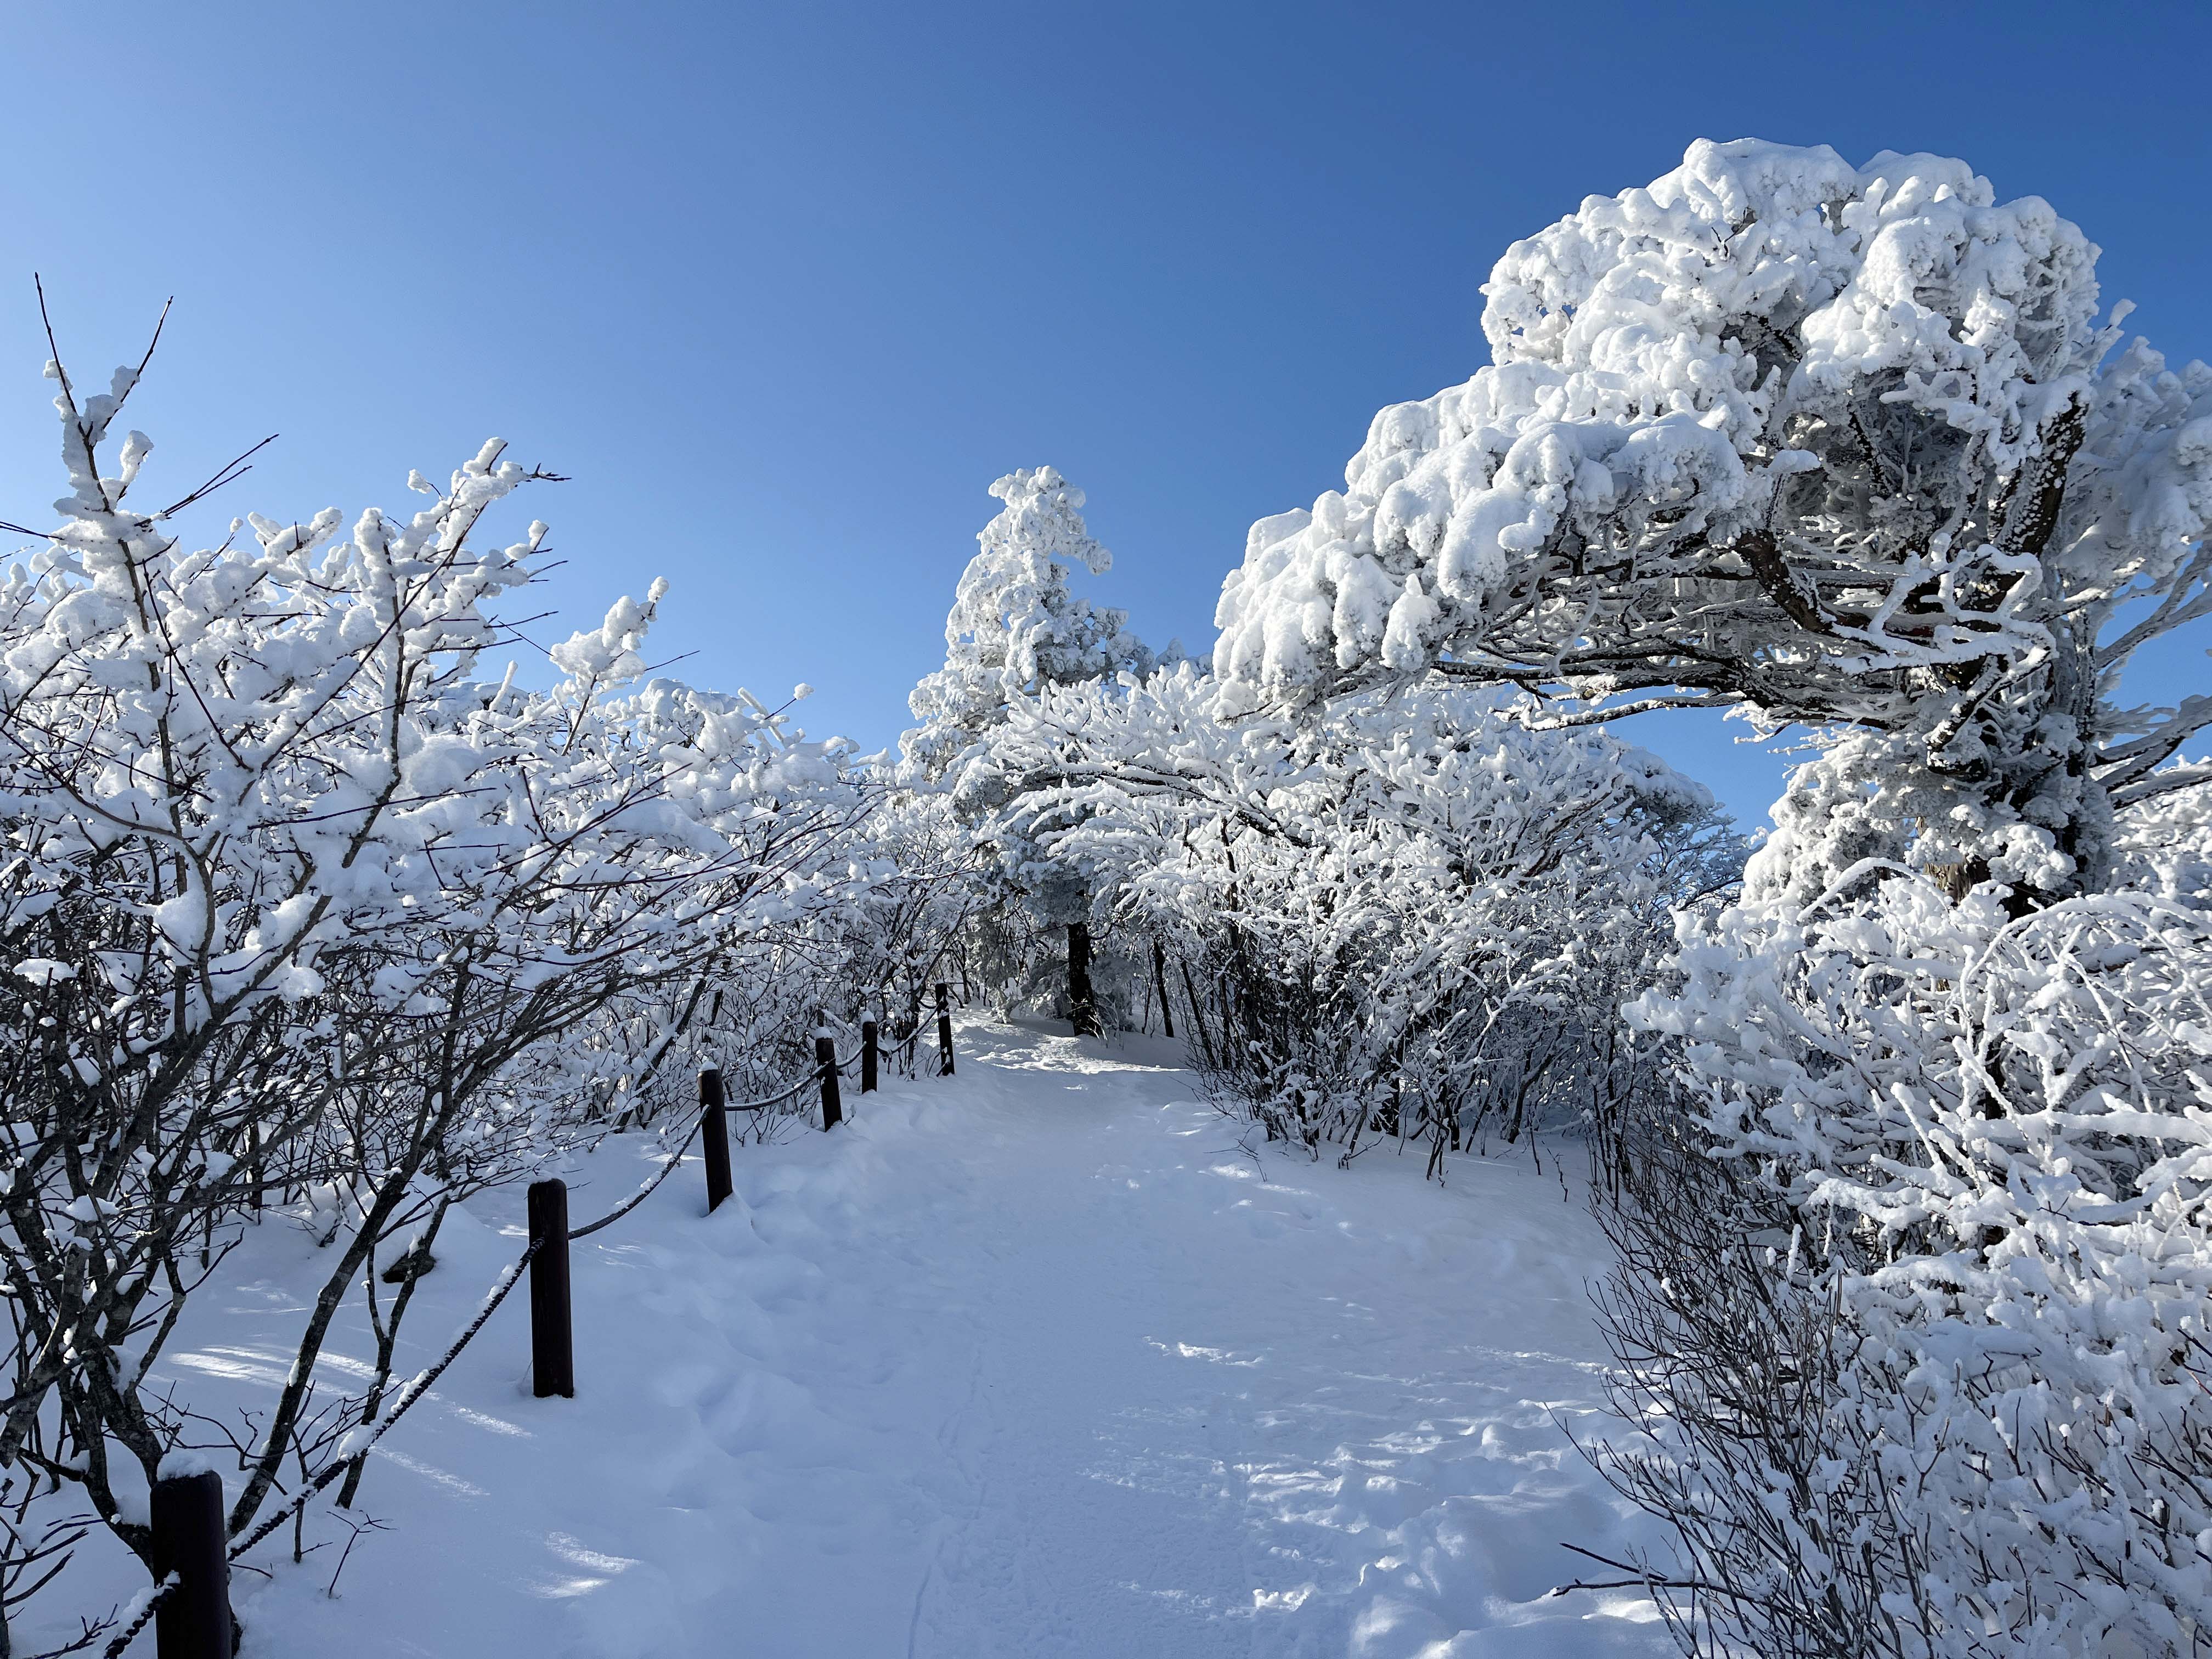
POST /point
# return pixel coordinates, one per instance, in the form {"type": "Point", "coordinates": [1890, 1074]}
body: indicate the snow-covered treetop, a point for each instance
{"type": "Point", "coordinates": [1016, 626]}
{"type": "Point", "coordinates": [608, 654]}
{"type": "Point", "coordinates": [1770, 422]}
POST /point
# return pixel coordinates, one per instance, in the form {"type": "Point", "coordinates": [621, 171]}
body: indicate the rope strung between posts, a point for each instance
{"type": "Point", "coordinates": [358, 1444]}
{"type": "Point", "coordinates": [139, 1621]}
{"type": "Point", "coordinates": [645, 1191]}
{"type": "Point", "coordinates": [351, 1450]}
{"type": "Point", "coordinates": [676, 1157]}
{"type": "Point", "coordinates": [813, 1076]}
{"type": "Point", "coordinates": [506, 1281]}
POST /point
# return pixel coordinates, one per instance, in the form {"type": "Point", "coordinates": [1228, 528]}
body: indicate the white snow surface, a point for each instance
{"type": "Point", "coordinates": [1034, 1361]}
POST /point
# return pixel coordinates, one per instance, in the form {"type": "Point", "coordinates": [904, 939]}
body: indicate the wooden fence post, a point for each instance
{"type": "Point", "coordinates": [825, 1057]}
{"type": "Point", "coordinates": [552, 1346]}
{"type": "Point", "coordinates": [944, 1028]}
{"type": "Point", "coordinates": [868, 1056]}
{"type": "Point", "coordinates": [189, 1539]}
{"type": "Point", "coordinates": [714, 1137]}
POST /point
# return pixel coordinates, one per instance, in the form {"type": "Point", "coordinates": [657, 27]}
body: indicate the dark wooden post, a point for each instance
{"type": "Point", "coordinates": [868, 1056]}
{"type": "Point", "coordinates": [714, 1137]}
{"type": "Point", "coordinates": [944, 1028]}
{"type": "Point", "coordinates": [189, 1539]}
{"type": "Point", "coordinates": [825, 1059]}
{"type": "Point", "coordinates": [1082, 1003]}
{"type": "Point", "coordinates": [552, 1345]}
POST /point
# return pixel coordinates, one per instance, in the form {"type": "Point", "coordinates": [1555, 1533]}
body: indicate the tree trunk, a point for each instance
{"type": "Point", "coordinates": [1197, 1014]}
{"type": "Point", "coordinates": [1082, 1009]}
{"type": "Point", "coordinates": [1160, 981]}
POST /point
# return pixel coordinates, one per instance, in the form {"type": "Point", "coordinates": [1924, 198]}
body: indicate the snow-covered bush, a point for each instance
{"type": "Point", "coordinates": [1044, 767]}
{"type": "Point", "coordinates": [1849, 446]}
{"type": "Point", "coordinates": [1414, 914]}
{"type": "Point", "coordinates": [298, 914]}
{"type": "Point", "coordinates": [908, 900]}
{"type": "Point", "coordinates": [1993, 1131]}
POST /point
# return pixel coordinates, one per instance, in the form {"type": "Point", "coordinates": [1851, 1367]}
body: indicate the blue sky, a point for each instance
{"type": "Point", "coordinates": [784, 288]}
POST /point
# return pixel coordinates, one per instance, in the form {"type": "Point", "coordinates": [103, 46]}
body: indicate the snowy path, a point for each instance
{"type": "Point", "coordinates": [1035, 1362]}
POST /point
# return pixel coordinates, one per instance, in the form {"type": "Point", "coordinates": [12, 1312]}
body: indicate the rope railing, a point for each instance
{"type": "Point", "coordinates": [351, 1450]}
{"type": "Point", "coordinates": [143, 1616]}
{"type": "Point", "coordinates": [669, 1163]}
{"type": "Point", "coordinates": [545, 1257]}
{"type": "Point", "coordinates": [355, 1446]}
{"type": "Point", "coordinates": [813, 1076]}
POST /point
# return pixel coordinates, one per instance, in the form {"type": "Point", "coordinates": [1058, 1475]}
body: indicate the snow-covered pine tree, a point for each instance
{"type": "Point", "coordinates": [1016, 626]}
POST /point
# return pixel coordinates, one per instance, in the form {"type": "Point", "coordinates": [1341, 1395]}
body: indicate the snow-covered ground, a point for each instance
{"type": "Point", "coordinates": [1035, 1361]}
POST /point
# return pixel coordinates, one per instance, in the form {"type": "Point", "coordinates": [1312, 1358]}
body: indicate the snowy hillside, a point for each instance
{"type": "Point", "coordinates": [1036, 1361]}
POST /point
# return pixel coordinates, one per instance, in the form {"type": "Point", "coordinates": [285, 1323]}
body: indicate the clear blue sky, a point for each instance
{"type": "Point", "coordinates": [785, 287]}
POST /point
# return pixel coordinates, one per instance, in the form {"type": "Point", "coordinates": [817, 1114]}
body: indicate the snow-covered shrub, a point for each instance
{"type": "Point", "coordinates": [298, 913]}
{"type": "Point", "coordinates": [1997, 1132]}
{"type": "Point", "coordinates": [1849, 446]}
{"type": "Point", "coordinates": [1413, 913]}
{"type": "Point", "coordinates": [1042, 769]}
{"type": "Point", "coordinates": [908, 899]}
{"type": "Point", "coordinates": [1739, 1370]}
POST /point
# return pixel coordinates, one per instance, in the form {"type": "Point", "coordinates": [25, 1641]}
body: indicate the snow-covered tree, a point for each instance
{"type": "Point", "coordinates": [1016, 625]}
{"type": "Point", "coordinates": [1839, 445]}
{"type": "Point", "coordinates": [1417, 913]}
{"type": "Point", "coordinates": [1100, 746]}
{"type": "Point", "coordinates": [1016, 628]}
{"type": "Point", "coordinates": [1849, 447]}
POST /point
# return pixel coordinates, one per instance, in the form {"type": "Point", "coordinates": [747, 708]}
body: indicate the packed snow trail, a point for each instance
{"type": "Point", "coordinates": [1036, 1361]}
